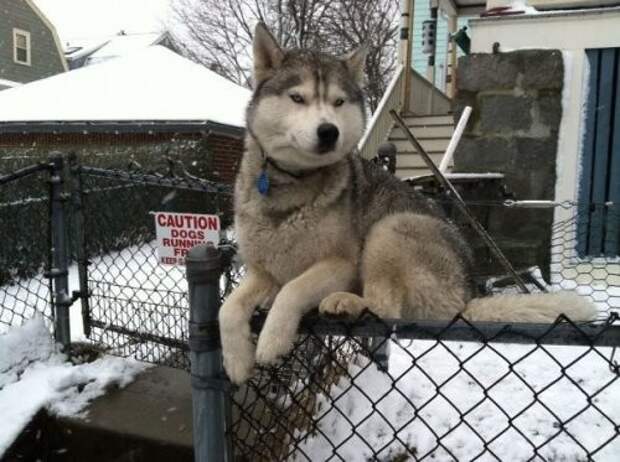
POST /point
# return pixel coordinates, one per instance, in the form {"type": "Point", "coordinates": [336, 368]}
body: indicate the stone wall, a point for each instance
{"type": "Point", "coordinates": [517, 109]}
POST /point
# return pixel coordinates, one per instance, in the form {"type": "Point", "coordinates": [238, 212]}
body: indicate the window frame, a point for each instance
{"type": "Point", "coordinates": [25, 34]}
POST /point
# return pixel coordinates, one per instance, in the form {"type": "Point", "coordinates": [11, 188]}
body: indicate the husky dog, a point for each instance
{"type": "Point", "coordinates": [319, 226]}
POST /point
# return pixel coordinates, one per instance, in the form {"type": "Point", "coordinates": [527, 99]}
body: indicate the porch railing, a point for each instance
{"type": "Point", "coordinates": [381, 122]}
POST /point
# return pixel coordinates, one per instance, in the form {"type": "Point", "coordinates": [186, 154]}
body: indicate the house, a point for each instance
{"type": "Point", "coordinates": [144, 106]}
{"type": "Point", "coordinates": [422, 88]}
{"type": "Point", "coordinates": [84, 52]}
{"type": "Point", "coordinates": [543, 78]}
{"type": "Point", "coordinates": [29, 46]}
{"type": "Point", "coordinates": [588, 150]}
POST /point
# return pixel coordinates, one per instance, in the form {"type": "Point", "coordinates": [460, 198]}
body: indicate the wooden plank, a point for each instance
{"type": "Point", "coordinates": [435, 145]}
{"type": "Point", "coordinates": [431, 131]}
{"type": "Point", "coordinates": [612, 221]}
{"type": "Point", "coordinates": [587, 156]}
{"type": "Point", "coordinates": [601, 151]}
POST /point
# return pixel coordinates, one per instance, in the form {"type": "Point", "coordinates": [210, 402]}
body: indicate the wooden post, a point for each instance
{"type": "Point", "coordinates": [453, 26]}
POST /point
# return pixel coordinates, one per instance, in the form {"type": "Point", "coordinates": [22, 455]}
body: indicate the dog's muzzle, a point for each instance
{"type": "Point", "coordinates": [328, 135]}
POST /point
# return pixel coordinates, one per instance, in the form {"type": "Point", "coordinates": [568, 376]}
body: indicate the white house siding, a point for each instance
{"type": "Point", "coordinates": [422, 12]}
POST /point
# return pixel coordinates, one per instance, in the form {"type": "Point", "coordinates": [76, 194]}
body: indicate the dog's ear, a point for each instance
{"type": "Point", "coordinates": [267, 54]}
{"type": "Point", "coordinates": [355, 61]}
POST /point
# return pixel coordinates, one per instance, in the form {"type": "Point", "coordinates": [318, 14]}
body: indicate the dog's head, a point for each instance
{"type": "Point", "coordinates": [308, 109]}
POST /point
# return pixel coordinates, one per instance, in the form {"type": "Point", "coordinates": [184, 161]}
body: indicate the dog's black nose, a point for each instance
{"type": "Point", "coordinates": [328, 134]}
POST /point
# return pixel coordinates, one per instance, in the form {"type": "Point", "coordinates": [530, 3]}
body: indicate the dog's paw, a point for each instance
{"type": "Point", "coordinates": [271, 348]}
{"type": "Point", "coordinates": [239, 368]}
{"type": "Point", "coordinates": [342, 303]}
{"type": "Point", "coordinates": [238, 354]}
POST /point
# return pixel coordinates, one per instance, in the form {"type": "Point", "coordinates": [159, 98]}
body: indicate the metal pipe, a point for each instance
{"type": "Point", "coordinates": [81, 252]}
{"type": "Point", "coordinates": [606, 334]}
{"type": "Point", "coordinates": [58, 273]}
{"type": "Point", "coordinates": [460, 204]}
{"type": "Point", "coordinates": [23, 172]}
{"type": "Point", "coordinates": [210, 387]}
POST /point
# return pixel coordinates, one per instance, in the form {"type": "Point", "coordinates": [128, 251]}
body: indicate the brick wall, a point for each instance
{"type": "Point", "coordinates": [215, 156]}
{"type": "Point", "coordinates": [226, 154]}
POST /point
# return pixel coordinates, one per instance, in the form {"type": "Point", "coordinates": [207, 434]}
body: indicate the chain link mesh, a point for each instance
{"type": "Point", "coordinates": [25, 250]}
{"type": "Point", "coordinates": [452, 391]}
{"type": "Point", "coordinates": [503, 394]}
{"type": "Point", "coordinates": [136, 306]}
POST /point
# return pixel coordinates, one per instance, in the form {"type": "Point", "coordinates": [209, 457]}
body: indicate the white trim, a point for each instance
{"type": "Point", "coordinates": [52, 29]}
{"type": "Point", "coordinates": [26, 34]}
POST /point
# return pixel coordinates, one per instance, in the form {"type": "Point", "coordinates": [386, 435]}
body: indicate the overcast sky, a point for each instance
{"type": "Point", "coordinates": [79, 19]}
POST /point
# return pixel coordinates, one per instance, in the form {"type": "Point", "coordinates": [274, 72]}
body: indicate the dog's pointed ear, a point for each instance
{"type": "Point", "coordinates": [355, 61]}
{"type": "Point", "coordinates": [267, 54]}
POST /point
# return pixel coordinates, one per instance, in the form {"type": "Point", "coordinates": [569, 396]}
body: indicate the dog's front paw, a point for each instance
{"type": "Point", "coordinates": [239, 364]}
{"type": "Point", "coordinates": [342, 303]}
{"type": "Point", "coordinates": [272, 347]}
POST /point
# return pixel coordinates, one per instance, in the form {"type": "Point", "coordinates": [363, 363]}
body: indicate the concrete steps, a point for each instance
{"type": "Point", "coordinates": [434, 134]}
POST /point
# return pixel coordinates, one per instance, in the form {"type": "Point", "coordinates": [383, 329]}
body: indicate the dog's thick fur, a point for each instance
{"type": "Point", "coordinates": [336, 231]}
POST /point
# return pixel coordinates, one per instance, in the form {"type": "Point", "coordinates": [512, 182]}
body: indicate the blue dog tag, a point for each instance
{"type": "Point", "coordinates": [262, 184]}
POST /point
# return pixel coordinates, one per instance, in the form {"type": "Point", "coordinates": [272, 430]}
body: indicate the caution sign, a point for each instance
{"type": "Point", "coordinates": [179, 232]}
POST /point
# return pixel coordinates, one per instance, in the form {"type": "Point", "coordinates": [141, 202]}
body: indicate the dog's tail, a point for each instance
{"type": "Point", "coordinates": [534, 308]}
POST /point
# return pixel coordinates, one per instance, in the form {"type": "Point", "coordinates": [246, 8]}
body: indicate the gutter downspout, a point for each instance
{"type": "Point", "coordinates": [406, 36]}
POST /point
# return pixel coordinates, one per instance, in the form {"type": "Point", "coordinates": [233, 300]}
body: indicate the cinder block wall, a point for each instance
{"type": "Point", "coordinates": [517, 109]}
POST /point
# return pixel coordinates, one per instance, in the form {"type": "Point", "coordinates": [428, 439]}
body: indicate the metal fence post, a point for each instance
{"type": "Point", "coordinates": [209, 384]}
{"type": "Point", "coordinates": [81, 252]}
{"type": "Point", "coordinates": [58, 273]}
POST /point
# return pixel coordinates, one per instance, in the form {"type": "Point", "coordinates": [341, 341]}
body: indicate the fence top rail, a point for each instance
{"type": "Point", "coordinates": [23, 172]}
{"type": "Point", "coordinates": [562, 332]}
{"type": "Point", "coordinates": [157, 179]}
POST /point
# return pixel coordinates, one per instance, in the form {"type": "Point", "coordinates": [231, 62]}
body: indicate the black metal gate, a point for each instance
{"type": "Point", "coordinates": [132, 304]}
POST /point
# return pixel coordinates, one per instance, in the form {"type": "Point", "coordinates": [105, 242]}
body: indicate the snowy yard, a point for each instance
{"type": "Point", "coordinates": [510, 414]}
{"type": "Point", "coordinates": [522, 402]}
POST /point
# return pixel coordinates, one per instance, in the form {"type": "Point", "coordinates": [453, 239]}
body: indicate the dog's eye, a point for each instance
{"type": "Point", "coordinates": [339, 102]}
{"type": "Point", "coordinates": [296, 97]}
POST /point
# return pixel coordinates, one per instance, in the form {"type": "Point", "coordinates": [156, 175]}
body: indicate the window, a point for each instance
{"type": "Point", "coordinates": [21, 46]}
{"type": "Point", "coordinates": [599, 222]}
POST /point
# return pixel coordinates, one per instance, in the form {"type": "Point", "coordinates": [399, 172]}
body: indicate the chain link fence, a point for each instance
{"type": "Point", "coordinates": [25, 253]}
{"type": "Point", "coordinates": [450, 391]}
{"type": "Point", "coordinates": [136, 306]}
{"type": "Point", "coordinates": [453, 391]}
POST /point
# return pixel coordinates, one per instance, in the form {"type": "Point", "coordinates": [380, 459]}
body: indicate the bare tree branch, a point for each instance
{"type": "Point", "coordinates": [218, 33]}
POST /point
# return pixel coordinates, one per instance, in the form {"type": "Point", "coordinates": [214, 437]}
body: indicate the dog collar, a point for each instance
{"type": "Point", "coordinates": [263, 183]}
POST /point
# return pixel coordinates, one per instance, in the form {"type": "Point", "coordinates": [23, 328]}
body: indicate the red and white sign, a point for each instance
{"type": "Point", "coordinates": [179, 232]}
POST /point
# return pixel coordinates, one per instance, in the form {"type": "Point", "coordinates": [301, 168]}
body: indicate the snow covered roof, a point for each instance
{"type": "Point", "coordinates": [151, 84]}
{"type": "Point", "coordinates": [90, 51]}
{"type": "Point", "coordinates": [8, 83]}
{"type": "Point", "coordinates": [122, 45]}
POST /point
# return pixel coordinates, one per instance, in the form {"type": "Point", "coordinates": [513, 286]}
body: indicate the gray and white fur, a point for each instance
{"type": "Point", "coordinates": [334, 230]}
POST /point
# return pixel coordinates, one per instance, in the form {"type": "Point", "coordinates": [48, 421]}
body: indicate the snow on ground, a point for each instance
{"type": "Point", "coordinates": [394, 413]}
{"type": "Point", "coordinates": [34, 374]}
